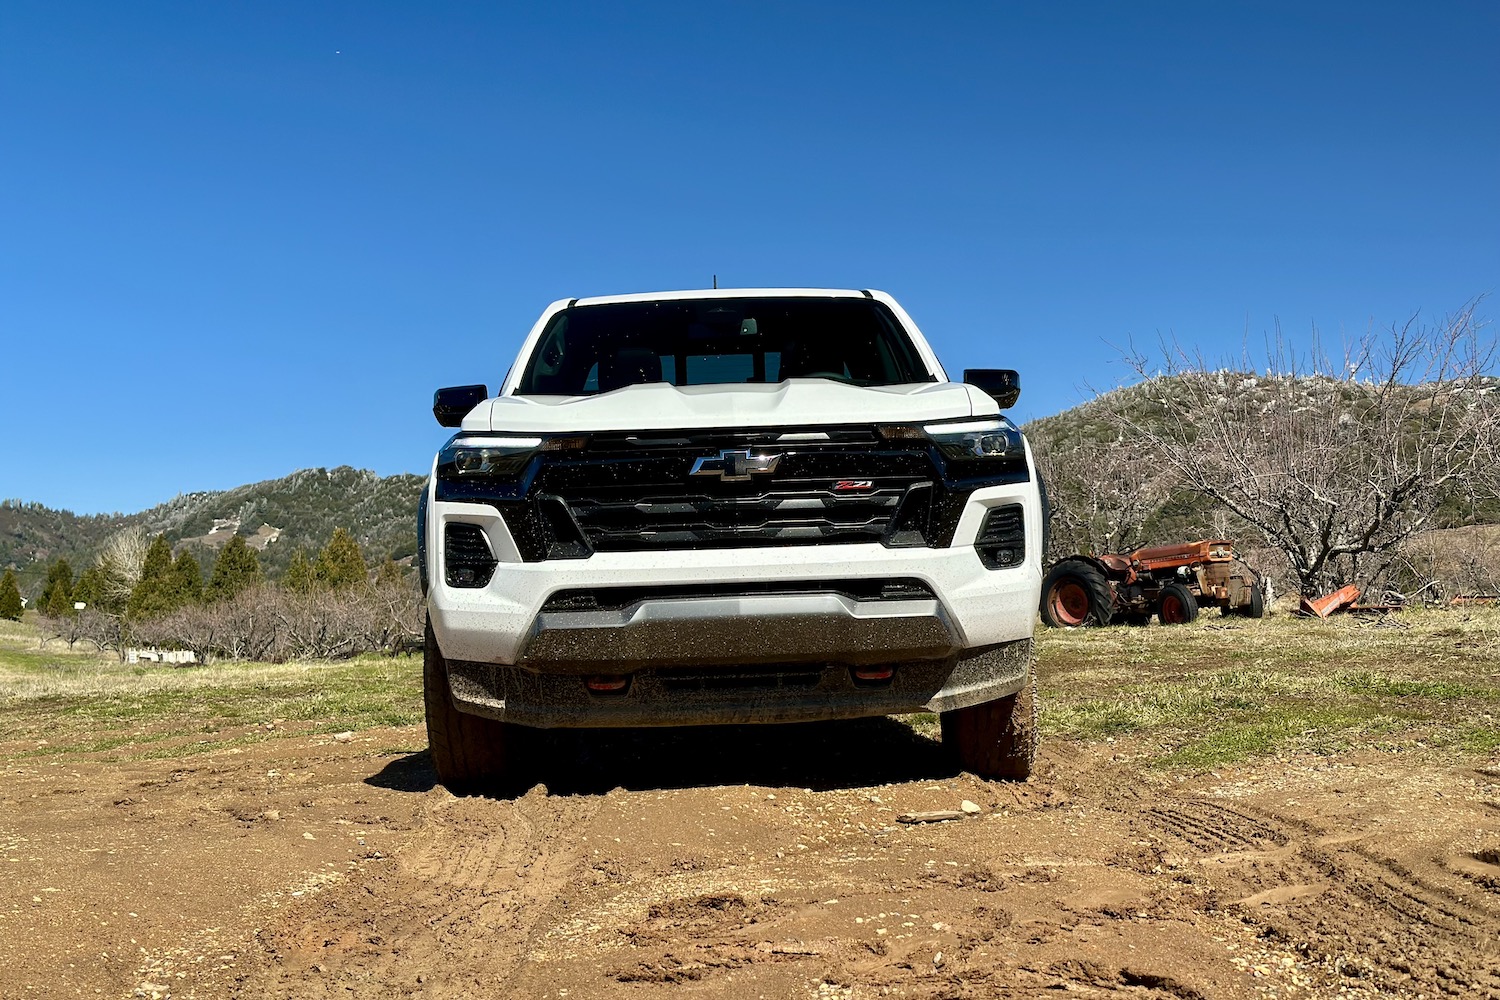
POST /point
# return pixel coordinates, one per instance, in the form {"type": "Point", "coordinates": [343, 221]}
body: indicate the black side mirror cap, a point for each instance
{"type": "Point", "coordinates": [1004, 384]}
{"type": "Point", "coordinates": [451, 405]}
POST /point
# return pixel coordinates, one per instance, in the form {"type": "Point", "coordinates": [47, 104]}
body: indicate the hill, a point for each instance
{"type": "Point", "coordinates": [276, 517]}
{"type": "Point", "coordinates": [1323, 463]}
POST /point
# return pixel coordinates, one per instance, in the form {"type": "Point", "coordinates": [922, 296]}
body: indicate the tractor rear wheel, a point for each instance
{"type": "Point", "coordinates": [1076, 593]}
{"type": "Point", "coordinates": [1177, 605]}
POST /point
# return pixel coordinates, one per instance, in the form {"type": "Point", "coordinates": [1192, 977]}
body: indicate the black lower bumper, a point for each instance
{"type": "Point", "coordinates": [727, 693]}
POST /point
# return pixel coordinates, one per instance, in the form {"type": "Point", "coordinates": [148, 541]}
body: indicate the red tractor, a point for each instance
{"type": "Point", "coordinates": [1170, 581]}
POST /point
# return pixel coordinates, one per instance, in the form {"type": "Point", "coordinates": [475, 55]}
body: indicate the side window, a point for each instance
{"type": "Point", "coordinates": [550, 351]}
{"type": "Point", "coordinates": [773, 366]}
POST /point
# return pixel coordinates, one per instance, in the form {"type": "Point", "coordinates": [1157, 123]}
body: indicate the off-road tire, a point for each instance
{"type": "Point", "coordinates": [1075, 593]}
{"type": "Point", "coordinates": [995, 739]}
{"type": "Point", "coordinates": [469, 752]}
{"type": "Point", "coordinates": [1176, 605]}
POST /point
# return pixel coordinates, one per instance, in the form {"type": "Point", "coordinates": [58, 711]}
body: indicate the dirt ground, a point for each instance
{"type": "Point", "coordinates": [765, 862]}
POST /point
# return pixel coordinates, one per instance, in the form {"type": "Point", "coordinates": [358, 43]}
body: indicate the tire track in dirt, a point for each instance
{"type": "Point", "coordinates": [1432, 939]}
{"type": "Point", "coordinates": [455, 913]}
{"type": "Point", "coordinates": [917, 912]}
{"type": "Point", "coordinates": [1372, 920]}
{"type": "Point", "coordinates": [1123, 886]}
{"type": "Point", "coordinates": [1214, 828]}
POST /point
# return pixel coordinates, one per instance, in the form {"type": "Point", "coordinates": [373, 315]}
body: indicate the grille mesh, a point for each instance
{"type": "Point", "coordinates": [791, 512]}
{"type": "Point", "coordinates": [467, 559]}
{"type": "Point", "coordinates": [1002, 537]}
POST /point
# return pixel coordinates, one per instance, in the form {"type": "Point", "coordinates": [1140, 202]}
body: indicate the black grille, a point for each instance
{"type": "Point", "coordinates": [815, 495]}
{"type": "Point", "coordinates": [792, 513]}
{"type": "Point", "coordinates": [763, 678]}
{"type": "Point", "coordinates": [1002, 537]}
{"type": "Point", "coordinates": [467, 560]}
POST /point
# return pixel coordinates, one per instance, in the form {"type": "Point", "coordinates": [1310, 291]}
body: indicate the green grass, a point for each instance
{"type": "Point", "coordinates": [1205, 695]}
{"type": "Point", "coordinates": [66, 703]}
{"type": "Point", "coordinates": [1316, 730]}
{"type": "Point", "coordinates": [924, 723]}
{"type": "Point", "coordinates": [1191, 697]}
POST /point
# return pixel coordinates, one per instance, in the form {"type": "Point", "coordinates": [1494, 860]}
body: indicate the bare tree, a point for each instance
{"type": "Point", "coordinates": [105, 632]}
{"type": "Point", "coordinates": [113, 632]}
{"type": "Point", "coordinates": [393, 617]}
{"type": "Point", "coordinates": [68, 628]}
{"type": "Point", "coordinates": [1444, 564]}
{"type": "Point", "coordinates": [194, 627]}
{"type": "Point", "coordinates": [120, 563]}
{"type": "Point", "coordinates": [1334, 464]}
{"type": "Point", "coordinates": [249, 627]}
{"type": "Point", "coordinates": [1101, 493]}
{"type": "Point", "coordinates": [269, 623]}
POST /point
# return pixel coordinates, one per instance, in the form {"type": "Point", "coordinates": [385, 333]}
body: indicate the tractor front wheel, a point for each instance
{"type": "Point", "coordinates": [1076, 593]}
{"type": "Point", "coordinates": [1256, 606]}
{"type": "Point", "coordinates": [1177, 605]}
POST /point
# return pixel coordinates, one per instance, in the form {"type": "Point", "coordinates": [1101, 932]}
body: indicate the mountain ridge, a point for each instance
{"type": "Point", "coordinates": [301, 510]}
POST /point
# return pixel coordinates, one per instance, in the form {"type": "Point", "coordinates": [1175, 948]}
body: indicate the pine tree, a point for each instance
{"type": "Point", "coordinates": [300, 577]}
{"type": "Point", "coordinates": [187, 576]}
{"type": "Point", "coordinates": [87, 590]}
{"type": "Point", "coordinates": [57, 592]}
{"type": "Point", "coordinates": [10, 597]}
{"type": "Point", "coordinates": [102, 588]}
{"type": "Point", "coordinates": [155, 593]}
{"type": "Point", "coordinates": [58, 604]}
{"type": "Point", "coordinates": [236, 569]}
{"type": "Point", "coordinates": [389, 574]}
{"type": "Point", "coordinates": [341, 564]}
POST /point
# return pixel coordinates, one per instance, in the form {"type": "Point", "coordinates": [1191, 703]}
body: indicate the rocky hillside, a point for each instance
{"type": "Point", "coordinates": [1314, 456]}
{"type": "Point", "coordinates": [276, 517]}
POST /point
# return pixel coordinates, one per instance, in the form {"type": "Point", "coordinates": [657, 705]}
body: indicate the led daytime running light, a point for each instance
{"type": "Point", "coordinates": [981, 439]}
{"type": "Point", "coordinates": [513, 443]}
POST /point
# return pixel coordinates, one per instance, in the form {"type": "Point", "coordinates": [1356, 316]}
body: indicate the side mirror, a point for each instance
{"type": "Point", "coordinates": [1002, 383]}
{"type": "Point", "coordinates": [451, 405]}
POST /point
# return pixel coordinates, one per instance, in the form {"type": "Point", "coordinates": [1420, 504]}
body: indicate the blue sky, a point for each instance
{"type": "Point", "coordinates": [241, 239]}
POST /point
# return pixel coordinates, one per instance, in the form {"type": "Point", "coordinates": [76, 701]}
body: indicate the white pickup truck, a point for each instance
{"type": "Point", "coordinates": [729, 506]}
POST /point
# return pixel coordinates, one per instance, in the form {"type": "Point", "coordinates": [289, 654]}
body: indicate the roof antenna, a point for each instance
{"type": "Point", "coordinates": [716, 281]}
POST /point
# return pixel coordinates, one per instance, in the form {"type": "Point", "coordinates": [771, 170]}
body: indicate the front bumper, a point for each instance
{"type": "Point", "coordinates": [755, 657]}
{"type": "Point", "coordinates": [667, 696]}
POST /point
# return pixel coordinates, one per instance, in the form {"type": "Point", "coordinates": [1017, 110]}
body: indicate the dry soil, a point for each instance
{"type": "Point", "coordinates": [747, 863]}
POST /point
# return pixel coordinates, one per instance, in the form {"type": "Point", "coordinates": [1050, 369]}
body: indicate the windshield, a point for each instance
{"type": "Point", "coordinates": [592, 349]}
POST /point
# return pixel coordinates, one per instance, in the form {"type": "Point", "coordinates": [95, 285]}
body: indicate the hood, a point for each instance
{"type": "Point", "coordinates": [659, 405]}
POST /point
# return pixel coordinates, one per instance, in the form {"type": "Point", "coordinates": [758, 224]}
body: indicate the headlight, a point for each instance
{"type": "Point", "coordinates": [478, 457]}
{"type": "Point", "coordinates": [496, 456]}
{"type": "Point", "coordinates": [994, 438]}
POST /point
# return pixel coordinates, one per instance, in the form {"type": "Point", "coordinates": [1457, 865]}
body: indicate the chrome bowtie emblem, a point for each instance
{"type": "Point", "coordinates": [735, 466]}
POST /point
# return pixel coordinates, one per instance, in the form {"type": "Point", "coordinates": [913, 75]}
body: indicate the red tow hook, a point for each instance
{"type": "Point", "coordinates": [873, 675]}
{"type": "Point", "coordinates": [607, 683]}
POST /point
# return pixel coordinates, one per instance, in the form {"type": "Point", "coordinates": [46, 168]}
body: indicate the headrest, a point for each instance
{"type": "Point", "coordinates": [631, 366]}
{"type": "Point", "coordinates": [809, 355]}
